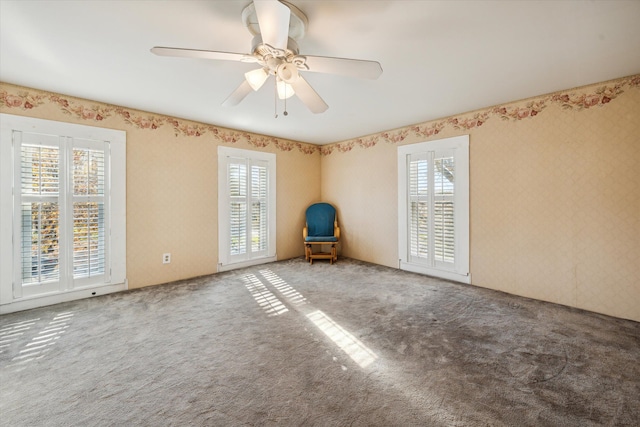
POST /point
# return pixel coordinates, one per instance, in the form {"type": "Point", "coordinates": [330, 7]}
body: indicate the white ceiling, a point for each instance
{"type": "Point", "coordinates": [439, 57]}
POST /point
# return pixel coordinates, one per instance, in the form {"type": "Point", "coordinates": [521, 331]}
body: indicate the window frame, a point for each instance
{"type": "Point", "coordinates": [459, 271]}
{"type": "Point", "coordinates": [12, 297]}
{"type": "Point", "coordinates": [227, 261]}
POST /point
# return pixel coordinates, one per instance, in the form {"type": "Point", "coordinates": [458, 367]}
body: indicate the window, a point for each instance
{"type": "Point", "coordinates": [246, 204]}
{"type": "Point", "coordinates": [64, 184]}
{"type": "Point", "coordinates": [433, 207]}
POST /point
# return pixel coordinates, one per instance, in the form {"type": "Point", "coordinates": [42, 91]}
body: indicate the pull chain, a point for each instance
{"type": "Point", "coordinates": [285, 101]}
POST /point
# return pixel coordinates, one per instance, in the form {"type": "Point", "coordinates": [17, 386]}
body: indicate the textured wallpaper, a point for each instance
{"type": "Point", "coordinates": [554, 195]}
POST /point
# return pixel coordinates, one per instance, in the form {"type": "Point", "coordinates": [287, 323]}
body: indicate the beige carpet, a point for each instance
{"type": "Point", "coordinates": [350, 344]}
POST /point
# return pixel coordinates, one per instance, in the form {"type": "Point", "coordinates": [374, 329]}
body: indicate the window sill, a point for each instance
{"type": "Point", "coordinates": [249, 263]}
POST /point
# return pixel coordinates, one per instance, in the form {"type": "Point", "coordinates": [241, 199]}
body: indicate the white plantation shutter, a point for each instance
{"type": "Point", "coordinates": [237, 179]}
{"type": "Point", "coordinates": [63, 204]}
{"type": "Point", "coordinates": [90, 208]}
{"type": "Point", "coordinates": [246, 189]}
{"type": "Point", "coordinates": [419, 206]}
{"type": "Point", "coordinates": [431, 186]}
{"type": "Point", "coordinates": [50, 204]}
{"type": "Point", "coordinates": [259, 203]}
{"type": "Point", "coordinates": [40, 242]}
{"type": "Point", "coordinates": [40, 205]}
{"type": "Point", "coordinates": [433, 205]}
{"type": "Point", "coordinates": [443, 208]}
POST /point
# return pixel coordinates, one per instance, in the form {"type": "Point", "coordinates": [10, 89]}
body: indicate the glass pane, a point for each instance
{"type": "Point", "coordinates": [444, 235]}
{"type": "Point", "coordinates": [419, 229]}
{"type": "Point", "coordinates": [238, 228]}
{"type": "Point", "coordinates": [88, 172]}
{"type": "Point", "coordinates": [39, 172]}
{"type": "Point", "coordinates": [40, 242]}
{"type": "Point", "coordinates": [258, 226]}
{"type": "Point", "coordinates": [258, 182]}
{"type": "Point", "coordinates": [88, 239]}
{"type": "Point", "coordinates": [444, 173]}
{"type": "Point", "coordinates": [237, 180]}
{"type": "Point", "coordinates": [419, 178]}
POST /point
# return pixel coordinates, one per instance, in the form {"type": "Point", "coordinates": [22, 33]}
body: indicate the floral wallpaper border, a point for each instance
{"type": "Point", "coordinates": [25, 99]}
{"type": "Point", "coordinates": [579, 99]}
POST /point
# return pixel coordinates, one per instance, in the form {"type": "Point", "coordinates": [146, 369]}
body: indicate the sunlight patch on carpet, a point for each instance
{"type": "Point", "coordinates": [263, 296]}
{"type": "Point", "coordinates": [284, 288]}
{"type": "Point", "coordinates": [12, 332]}
{"type": "Point", "coordinates": [351, 345]}
{"type": "Point", "coordinates": [42, 342]}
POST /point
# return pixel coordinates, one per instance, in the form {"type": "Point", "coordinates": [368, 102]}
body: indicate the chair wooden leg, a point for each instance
{"type": "Point", "coordinates": [332, 255]}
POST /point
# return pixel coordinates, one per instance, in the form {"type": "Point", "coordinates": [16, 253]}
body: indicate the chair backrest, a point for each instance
{"type": "Point", "coordinates": [320, 219]}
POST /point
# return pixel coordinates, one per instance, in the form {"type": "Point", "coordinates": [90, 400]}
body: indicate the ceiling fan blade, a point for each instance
{"type": "Point", "coordinates": [238, 95]}
{"type": "Point", "coordinates": [273, 19]}
{"type": "Point", "coordinates": [308, 96]}
{"type": "Point", "coordinates": [345, 67]}
{"type": "Point", "coordinates": [202, 54]}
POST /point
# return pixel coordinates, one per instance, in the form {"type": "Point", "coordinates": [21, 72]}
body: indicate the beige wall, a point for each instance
{"type": "Point", "coordinates": [554, 197]}
{"type": "Point", "coordinates": [172, 182]}
{"type": "Point", "coordinates": [363, 186]}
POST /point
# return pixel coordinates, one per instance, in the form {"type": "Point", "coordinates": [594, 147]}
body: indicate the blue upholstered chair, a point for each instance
{"type": "Point", "coordinates": [321, 228]}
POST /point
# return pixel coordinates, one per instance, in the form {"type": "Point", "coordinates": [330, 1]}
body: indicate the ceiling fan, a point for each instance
{"type": "Point", "coordinates": [276, 27]}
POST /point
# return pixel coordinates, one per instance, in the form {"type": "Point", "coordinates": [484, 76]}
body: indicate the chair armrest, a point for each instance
{"type": "Point", "coordinates": [305, 233]}
{"type": "Point", "coordinates": [336, 231]}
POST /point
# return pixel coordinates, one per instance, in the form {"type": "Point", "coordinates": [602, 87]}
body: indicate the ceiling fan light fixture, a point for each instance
{"type": "Point", "coordinates": [287, 72]}
{"type": "Point", "coordinates": [285, 90]}
{"type": "Point", "coordinates": [256, 78]}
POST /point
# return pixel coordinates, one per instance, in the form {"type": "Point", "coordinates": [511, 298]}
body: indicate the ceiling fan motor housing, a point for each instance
{"type": "Point", "coordinates": [282, 63]}
{"type": "Point", "coordinates": [261, 49]}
